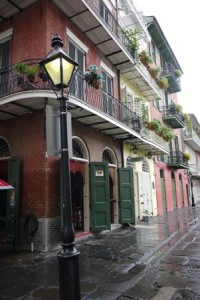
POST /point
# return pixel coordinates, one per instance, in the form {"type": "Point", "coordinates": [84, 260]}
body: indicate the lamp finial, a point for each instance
{"type": "Point", "coordinates": [56, 41]}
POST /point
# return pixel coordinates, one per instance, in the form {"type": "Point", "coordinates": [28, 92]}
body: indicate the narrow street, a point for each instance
{"type": "Point", "coordinates": [159, 259]}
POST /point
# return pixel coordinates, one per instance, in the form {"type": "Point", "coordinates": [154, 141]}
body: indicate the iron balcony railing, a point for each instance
{"type": "Point", "coordinates": [194, 169]}
{"type": "Point", "coordinates": [174, 81]}
{"type": "Point", "coordinates": [191, 134]}
{"type": "Point", "coordinates": [12, 82]}
{"type": "Point", "coordinates": [176, 157]}
{"type": "Point", "coordinates": [110, 22]}
{"type": "Point", "coordinates": [170, 110]}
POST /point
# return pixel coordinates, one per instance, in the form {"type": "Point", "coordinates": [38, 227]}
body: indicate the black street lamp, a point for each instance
{"type": "Point", "coordinates": [60, 69]}
{"type": "Point", "coordinates": [193, 204]}
{"type": "Point", "coordinates": [191, 187]}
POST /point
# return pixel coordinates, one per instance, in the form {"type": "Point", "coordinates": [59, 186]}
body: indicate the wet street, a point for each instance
{"type": "Point", "coordinates": [159, 259]}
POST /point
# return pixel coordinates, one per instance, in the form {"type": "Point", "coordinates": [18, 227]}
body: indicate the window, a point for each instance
{"type": "Point", "coordinates": [109, 156]}
{"type": "Point", "coordinates": [79, 56]}
{"type": "Point", "coordinates": [127, 98]}
{"type": "Point", "coordinates": [156, 104]}
{"type": "Point", "coordinates": [108, 104]}
{"type": "Point", "coordinates": [4, 62]}
{"type": "Point", "coordinates": [153, 50]}
{"type": "Point", "coordinates": [4, 148]}
{"type": "Point", "coordinates": [104, 12]}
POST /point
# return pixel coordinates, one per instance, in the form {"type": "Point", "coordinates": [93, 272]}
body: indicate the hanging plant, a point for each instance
{"type": "Point", "coordinates": [93, 77]}
{"type": "Point", "coordinates": [132, 35]}
{"type": "Point", "coordinates": [186, 156]}
{"type": "Point", "coordinates": [178, 73]}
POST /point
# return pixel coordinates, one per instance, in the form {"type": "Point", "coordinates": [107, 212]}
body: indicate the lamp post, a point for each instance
{"type": "Point", "coordinates": [60, 68]}
{"type": "Point", "coordinates": [191, 187]}
{"type": "Point", "coordinates": [193, 204]}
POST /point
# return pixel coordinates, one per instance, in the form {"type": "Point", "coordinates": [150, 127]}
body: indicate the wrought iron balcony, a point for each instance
{"type": "Point", "coordinates": [176, 160]}
{"type": "Point", "coordinates": [192, 139]}
{"type": "Point", "coordinates": [172, 117]}
{"type": "Point", "coordinates": [12, 82]}
{"type": "Point", "coordinates": [153, 136]}
{"type": "Point", "coordinates": [174, 81]}
{"type": "Point", "coordinates": [194, 170]}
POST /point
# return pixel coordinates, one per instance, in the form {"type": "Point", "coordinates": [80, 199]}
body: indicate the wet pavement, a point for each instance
{"type": "Point", "coordinates": [159, 259]}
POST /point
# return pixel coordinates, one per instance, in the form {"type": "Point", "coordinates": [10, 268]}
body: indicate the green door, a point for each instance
{"type": "Point", "coordinates": [12, 212]}
{"type": "Point", "coordinates": [162, 184]}
{"type": "Point", "coordinates": [126, 195]}
{"type": "Point", "coordinates": [100, 202]}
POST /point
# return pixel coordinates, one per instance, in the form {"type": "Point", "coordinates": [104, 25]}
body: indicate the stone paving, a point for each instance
{"type": "Point", "coordinates": [159, 259]}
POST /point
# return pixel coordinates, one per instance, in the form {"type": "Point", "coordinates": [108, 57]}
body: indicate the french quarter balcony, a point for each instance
{"type": "Point", "coordinates": [176, 160]}
{"type": "Point", "coordinates": [94, 107]}
{"type": "Point", "coordinates": [195, 170]}
{"type": "Point", "coordinates": [192, 139]}
{"type": "Point", "coordinates": [15, 82]}
{"type": "Point", "coordinates": [152, 136]}
{"type": "Point", "coordinates": [101, 26]}
{"type": "Point", "coordinates": [174, 82]}
{"type": "Point", "coordinates": [172, 117]}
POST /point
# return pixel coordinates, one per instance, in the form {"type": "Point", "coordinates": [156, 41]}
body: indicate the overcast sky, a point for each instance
{"type": "Point", "coordinates": [180, 23]}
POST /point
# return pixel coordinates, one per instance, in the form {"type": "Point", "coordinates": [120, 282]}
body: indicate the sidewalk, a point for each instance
{"type": "Point", "coordinates": [121, 264]}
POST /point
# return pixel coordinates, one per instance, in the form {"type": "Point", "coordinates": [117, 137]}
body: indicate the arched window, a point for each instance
{"type": "Point", "coordinates": [79, 148]}
{"type": "Point", "coordinates": [109, 156]}
{"type": "Point", "coordinates": [4, 148]}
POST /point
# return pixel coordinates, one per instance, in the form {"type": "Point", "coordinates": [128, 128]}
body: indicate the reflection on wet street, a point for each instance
{"type": "Point", "coordinates": [158, 259]}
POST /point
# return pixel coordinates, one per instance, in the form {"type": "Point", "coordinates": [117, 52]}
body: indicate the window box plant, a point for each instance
{"type": "Point", "coordinates": [31, 71]}
{"type": "Point", "coordinates": [155, 71]}
{"type": "Point", "coordinates": [166, 133]}
{"type": "Point", "coordinates": [145, 58]}
{"type": "Point", "coordinates": [155, 124]}
{"type": "Point", "coordinates": [93, 77]}
{"type": "Point", "coordinates": [162, 82]}
{"type": "Point", "coordinates": [19, 69]}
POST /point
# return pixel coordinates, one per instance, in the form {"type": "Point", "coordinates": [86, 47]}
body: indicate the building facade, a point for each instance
{"type": "Point", "coordinates": [118, 175]}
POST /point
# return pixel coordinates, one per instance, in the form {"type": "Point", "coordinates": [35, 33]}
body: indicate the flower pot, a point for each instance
{"type": "Point", "coordinates": [19, 79]}
{"type": "Point", "coordinates": [31, 78]}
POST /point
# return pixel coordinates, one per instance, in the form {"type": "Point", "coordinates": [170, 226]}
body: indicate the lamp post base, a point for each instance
{"type": "Point", "coordinates": [69, 281]}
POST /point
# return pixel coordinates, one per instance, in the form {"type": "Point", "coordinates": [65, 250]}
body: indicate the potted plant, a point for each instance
{"type": "Point", "coordinates": [178, 73]}
{"type": "Point", "coordinates": [155, 71]}
{"type": "Point", "coordinates": [167, 134]}
{"type": "Point", "coordinates": [132, 36]}
{"type": "Point", "coordinates": [93, 77]}
{"type": "Point", "coordinates": [163, 82]}
{"type": "Point", "coordinates": [19, 68]}
{"type": "Point", "coordinates": [30, 71]}
{"type": "Point", "coordinates": [145, 58]}
{"type": "Point", "coordinates": [186, 156]}
{"type": "Point", "coordinates": [155, 124]}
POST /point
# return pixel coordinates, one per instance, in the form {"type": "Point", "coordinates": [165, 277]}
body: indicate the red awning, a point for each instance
{"type": "Point", "coordinates": [5, 186]}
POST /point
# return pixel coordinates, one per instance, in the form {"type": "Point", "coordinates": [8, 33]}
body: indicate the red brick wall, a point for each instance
{"type": "Point", "coordinates": [33, 30]}
{"type": "Point", "coordinates": [39, 187]}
